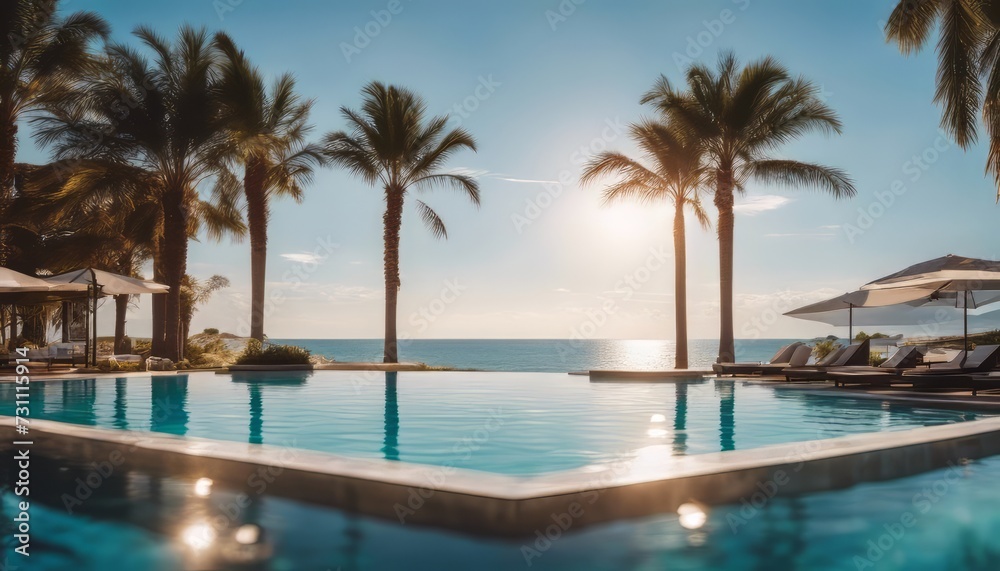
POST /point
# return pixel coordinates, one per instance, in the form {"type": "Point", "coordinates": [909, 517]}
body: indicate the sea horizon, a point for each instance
{"type": "Point", "coordinates": [538, 355]}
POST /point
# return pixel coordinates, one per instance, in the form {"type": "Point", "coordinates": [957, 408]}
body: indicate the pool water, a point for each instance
{"type": "Point", "coordinates": [509, 423]}
{"type": "Point", "coordinates": [138, 520]}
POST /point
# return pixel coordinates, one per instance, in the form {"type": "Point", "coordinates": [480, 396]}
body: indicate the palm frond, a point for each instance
{"type": "Point", "coordinates": [432, 220]}
{"type": "Point", "coordinates": [795, 174]}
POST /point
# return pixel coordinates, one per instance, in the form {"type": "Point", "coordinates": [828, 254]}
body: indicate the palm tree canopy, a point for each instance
{"type": "Point", "coordinates": [968, 75]}
{"type": "Point", "coordinates": [391, 143]}
{"type": "Point", "coordinates": [676, 172]}
{"type": "Point", "coordinates": [42, 55]}
{"type": "Point", "coordinates": [143, 126]}
{"type": "Point", "coordinates": [743, 115]}
{"type": "Point", "coordinates": [269, 126]}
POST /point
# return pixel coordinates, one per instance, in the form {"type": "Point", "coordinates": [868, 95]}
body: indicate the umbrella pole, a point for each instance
{"type": "Point", "coordinates": [850, 324]}
{"type": "Point", "coordinates": [965, 312]}
{"type": "Point", "coordinates": [86, 322]}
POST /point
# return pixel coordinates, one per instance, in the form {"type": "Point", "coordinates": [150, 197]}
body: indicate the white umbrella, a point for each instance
{"type": "Point", "coordinates": [840, 310]}
{"type": "Point", "coordinates": [16, 282]}
{"type": "Point", "coordinates": [100, 283]}
{"type": "Point", "coordinates": [108, 283]}
{"type": "Point", "coordinates": [950, 275]}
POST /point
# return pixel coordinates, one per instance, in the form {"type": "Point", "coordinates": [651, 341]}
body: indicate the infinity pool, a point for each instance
{"type": "Point", "coordinates": [509, 423]}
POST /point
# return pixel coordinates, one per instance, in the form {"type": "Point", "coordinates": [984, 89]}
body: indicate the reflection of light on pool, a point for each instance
{"type": "Point", "coordinates": [203, 487]}
{"type": "Point", "coordinates": [656, 433]}
{"type": "Point", "coordinates": [692, 515]}
{"type": "Point", "coordinates": [657, 418]}
{"type": "Point", "coordinates": [247, 534]}
{"type": "Point", "coordinates": [198, 535]}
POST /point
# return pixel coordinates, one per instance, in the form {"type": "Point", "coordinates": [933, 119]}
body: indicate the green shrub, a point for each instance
{"type": "Point", "coordinates": [861, 336]}
{"type": "Point", "coordinates": [258, 354]}
{"type": "Point", "coordinates": [824, 348]}
{"type": "Point", "coordinates": [211, 331]}
{"type": "Point", "coordinates": [875, 358]}
{"type": "Point", "coordinates": [211, 354]}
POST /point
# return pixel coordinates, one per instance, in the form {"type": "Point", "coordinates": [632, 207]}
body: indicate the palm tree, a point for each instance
{"type": "Point", "coordinates": [41, 58]}
{"type": "Point", "coordinates": [968, 77]}
{"type": "Point", "coordinates": [161, 120]}
{"type": "Point", "coordinates": [394, 146]}
{"type": "Point", "coordinates": [675, 175]}
{"type": "Point", "coordinates": [267, 130]}
{"type": "Point", "coordinates": [195, 292]}
{"type": "Point", "coordinates": [741, 115]}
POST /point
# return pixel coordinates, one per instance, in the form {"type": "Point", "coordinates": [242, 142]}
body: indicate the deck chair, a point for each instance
{"type": "Point", "coordinates": [780, 360]}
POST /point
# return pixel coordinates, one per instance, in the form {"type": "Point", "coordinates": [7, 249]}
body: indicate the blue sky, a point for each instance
{"type": "Point", "coordinates": [557, 81]}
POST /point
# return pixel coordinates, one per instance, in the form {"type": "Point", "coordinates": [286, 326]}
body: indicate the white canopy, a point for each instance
{"type": "Point", "coordinates": [16, 282]}
{"type": "Point", "coordinates": [948, 273]}
{"type": "Point", "coordinates": [110, 284]}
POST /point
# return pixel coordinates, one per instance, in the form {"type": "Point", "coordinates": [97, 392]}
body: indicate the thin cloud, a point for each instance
{"type": "Point", "coordinates": [756, 204]}
{"type": "Point", "coordinates": [474, 173]}
{"type": "Point", "coordinates": [303, 258]}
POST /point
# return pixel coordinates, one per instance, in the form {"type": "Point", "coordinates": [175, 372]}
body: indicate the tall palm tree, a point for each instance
{"type": "Point", "coordinates": [159, 118]}
{"type": "Point", "coordinates": [42, 56]}
{"type": "Point", "coordinates": [676, 175]}
{"type": "Point", "coordinates": [267, 131]}
{"type": "Point", "coordinates": [741, 115]}
{"type": "Point", "coordinates": [393, 145]}
{"type": "Point", "coordinates": [968, 77]}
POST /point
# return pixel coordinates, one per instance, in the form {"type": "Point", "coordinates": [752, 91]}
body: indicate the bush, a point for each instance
{"type": "Point", "coordinates": [211, 354]}
{"type": "Point", "coordinates": [257, 354]}
{"type": "Point", "coordinates": [875, 358]}
{"type": "Point", "coordinates": [824, 348]}
{"type": "Point", "coordinates": [211, 331]}
{"type": "Point", "coordinates": [861, 336]}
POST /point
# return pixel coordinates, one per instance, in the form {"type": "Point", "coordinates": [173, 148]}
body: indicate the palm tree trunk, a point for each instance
{"type": "Point", "coordinates": [392, 221]}
{"type": "Point", "coordinates": [8, 152]}
{"type": "Point", "coordinates": [253, 187]}
{"type": "Point", "coordinates": [121, 308]}
{"type": "Point", "coordinates": [724, 203]}
{"type": "Point", "coordinates": [680, 287]}
{"type": "Point", "coordinates": [159, 302]}
{"type": "Point", "coordinates": [174, 255]}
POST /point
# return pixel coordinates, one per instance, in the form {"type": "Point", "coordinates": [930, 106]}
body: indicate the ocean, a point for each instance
{"type": "Point", "coordinates": [539, 355]}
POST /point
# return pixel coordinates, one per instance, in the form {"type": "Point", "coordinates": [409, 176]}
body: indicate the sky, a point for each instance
{"type": "Point", "coordinates": [543, 85]}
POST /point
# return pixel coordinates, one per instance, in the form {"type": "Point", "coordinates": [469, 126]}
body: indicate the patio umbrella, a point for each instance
{"type": "Point", "coordinates": [840, 310]}
{"type": "Point", "coordinates": [16, 282]}
{"type": "Point", "coordinates": [99, 283]}
{"type": "Point", "coordinates": [107, 282]}
{"type": "Point", "coordinates": [974, 281]}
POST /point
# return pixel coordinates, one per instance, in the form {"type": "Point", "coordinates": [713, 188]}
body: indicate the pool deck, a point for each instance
{"type": "Point", "coordinates": [639, 483]}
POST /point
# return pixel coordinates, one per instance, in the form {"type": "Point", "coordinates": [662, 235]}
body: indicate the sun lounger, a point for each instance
{"type": "Point", "coordinates": [971, 372]}
{"type": "Point", "coordinates": [981, 360]}
{"type": "Point", "coordinates": [905, 358]}
{"type": "Point", "coordinates": [781, 360]}
{"type": "Point", "coordinates": [857, 354]}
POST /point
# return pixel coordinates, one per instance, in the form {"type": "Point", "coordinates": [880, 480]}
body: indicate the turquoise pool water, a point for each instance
{"type": "Point", "coordinates": [143, 521]}
{"type": "Point", "coordinates": [510, 423]}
